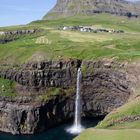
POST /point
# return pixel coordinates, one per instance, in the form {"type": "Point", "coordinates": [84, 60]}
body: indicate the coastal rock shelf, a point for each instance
{"type": "Point", "coordinates": [106, 85]}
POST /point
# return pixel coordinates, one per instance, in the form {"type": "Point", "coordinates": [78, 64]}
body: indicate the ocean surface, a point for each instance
{"type": "Point", "coordinates": [57, 133]}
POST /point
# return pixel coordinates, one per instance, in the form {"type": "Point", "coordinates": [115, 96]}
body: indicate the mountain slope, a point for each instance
{"type": "Point", "coordinates": [54, 44]}
{"type": "Point", "coordinates": [66, 8]}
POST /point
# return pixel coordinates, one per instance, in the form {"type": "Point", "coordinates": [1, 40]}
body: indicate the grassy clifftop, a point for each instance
{"type": "Point", "coordinates": [52, 43]}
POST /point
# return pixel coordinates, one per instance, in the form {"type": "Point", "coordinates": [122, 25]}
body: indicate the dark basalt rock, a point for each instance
{"type": "Point", "coordinates": [105, 86]}
{"type": "Point", "coordinates": [8, 36]}
{"type": "Point", "coordinates": [19, 32]}
{"type": "Point", "coordinates": [3, 41]}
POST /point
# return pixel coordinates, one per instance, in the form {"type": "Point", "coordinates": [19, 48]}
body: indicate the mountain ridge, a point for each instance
{"type": "Point", "coordinates": [67, 8]}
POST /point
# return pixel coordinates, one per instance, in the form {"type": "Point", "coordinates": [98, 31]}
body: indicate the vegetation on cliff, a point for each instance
{"type": "Point", "coordinates": [7, 88]}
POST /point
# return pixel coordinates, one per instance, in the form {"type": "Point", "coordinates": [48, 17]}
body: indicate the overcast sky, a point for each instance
{"type": "Point", "coordinates": [14, 12]}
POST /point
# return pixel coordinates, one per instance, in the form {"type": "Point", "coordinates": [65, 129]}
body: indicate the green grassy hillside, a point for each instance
{"type": "Point", "coordinates": [103, 20]}
{"type": "Point", "coordinates": [103, 134]}
{"type": "Point", "coordinates": [52, 43]}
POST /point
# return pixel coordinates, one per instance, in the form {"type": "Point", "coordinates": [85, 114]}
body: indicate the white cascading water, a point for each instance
{"type": "Point", "coordinates": [77, 127]}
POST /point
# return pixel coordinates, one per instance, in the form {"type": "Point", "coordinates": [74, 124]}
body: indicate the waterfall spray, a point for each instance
{"type": "Point", "coordinates": [77, 127]}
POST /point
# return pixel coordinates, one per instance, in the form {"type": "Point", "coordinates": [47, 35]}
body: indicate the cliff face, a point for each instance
{"type": "Point", "coordinates": [105, 86]}
{"type": "Point", "coordinates": [66, 8]}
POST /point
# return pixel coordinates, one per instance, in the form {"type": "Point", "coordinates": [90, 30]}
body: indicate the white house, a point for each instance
{"type": "Point", "coordinates": [2, 33]}
{"type": "Point", "coordinates": [65, 28]}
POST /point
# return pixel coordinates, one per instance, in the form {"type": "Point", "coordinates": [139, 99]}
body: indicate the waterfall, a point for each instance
{"type": "Point", "coordinates": [78, 107]}
{"type": "Point", "coordinates": [77, 127]}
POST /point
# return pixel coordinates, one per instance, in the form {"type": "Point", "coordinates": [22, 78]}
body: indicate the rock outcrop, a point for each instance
{"type": "Point", "coordinates": [5, 40]}
{"type": "Point", "coordinates": [106, 85]}
{"type": "Point", "coordinates": [19, 32]}
{"type": "Point", "coordinates": [66, 8]}
{"type": "Point", "coordinates": [8, 36]}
